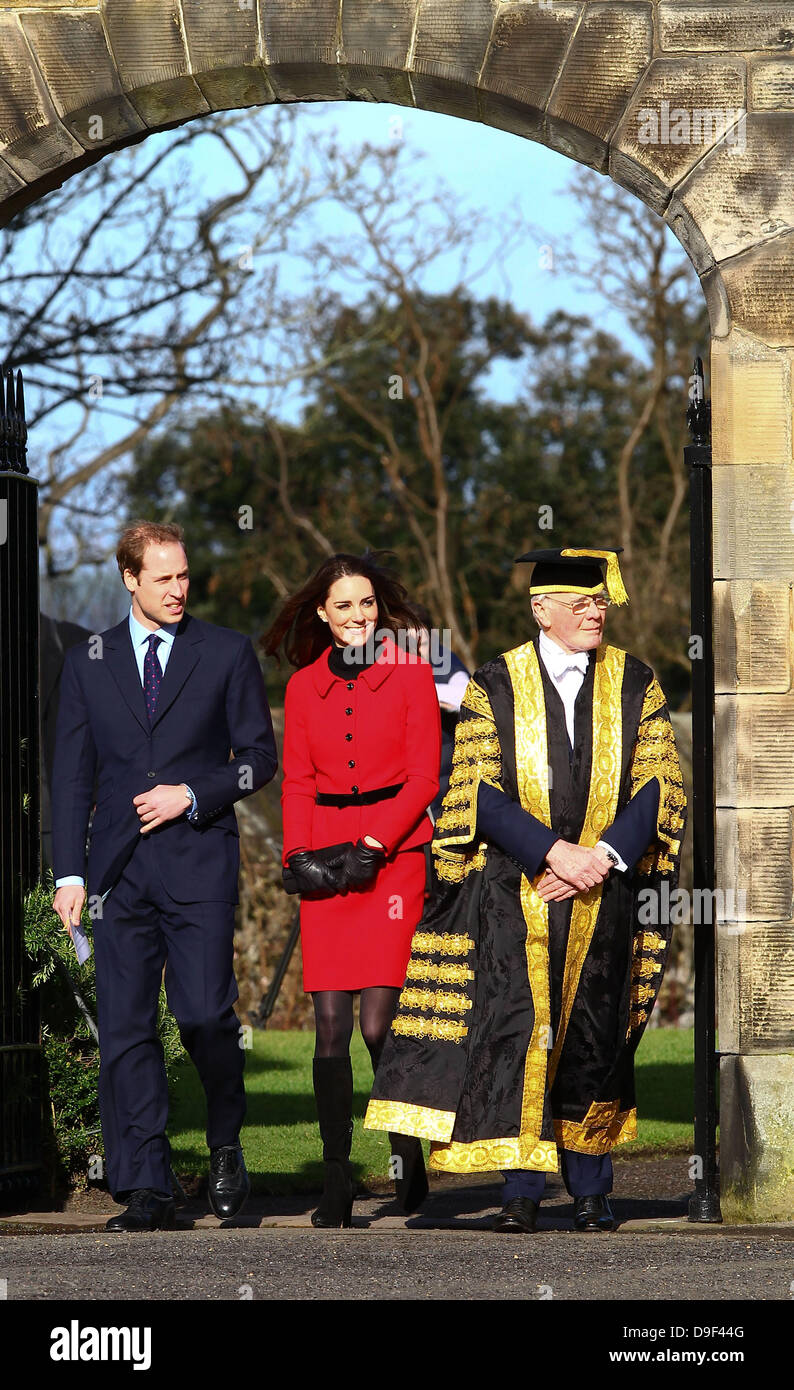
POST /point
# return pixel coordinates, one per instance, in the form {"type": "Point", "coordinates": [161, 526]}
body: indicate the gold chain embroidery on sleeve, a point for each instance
{"type": "Point", "coordinates": [655, 755]}
{"type": "Point", "coordinates": [648, 941]}
{"type": "Point", "coordinates": [434, 1000]}
{"type": "Point", "coordinates": [476, 758]}
{"type": "Point", "coordinates": [443, 1029]}
{"type": "Point", "coordinates": [476, 699]}
{"type": "Point", "coordinates": [444, 971]}
{"type": "Point", "coordinates": [449, 944]}
{"type": "Point", "coordinates": [644, 968]}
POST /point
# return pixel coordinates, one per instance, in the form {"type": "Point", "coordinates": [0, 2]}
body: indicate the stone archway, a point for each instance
{"type": "Point", "coordinates": [78, 79]}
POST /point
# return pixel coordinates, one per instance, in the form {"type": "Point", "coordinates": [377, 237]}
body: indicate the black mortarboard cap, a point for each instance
{"type": "Point", "coordinates": [576, 570]}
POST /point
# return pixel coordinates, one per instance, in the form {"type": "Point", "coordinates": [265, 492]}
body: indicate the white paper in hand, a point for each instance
{"type": "Point", "coordinates": [82, 945]}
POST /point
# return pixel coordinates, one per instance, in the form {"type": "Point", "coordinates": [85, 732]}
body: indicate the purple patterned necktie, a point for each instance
{"type": "Point", "coordinates": [152, 675]}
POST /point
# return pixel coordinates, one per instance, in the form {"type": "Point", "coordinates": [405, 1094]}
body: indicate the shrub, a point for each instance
{"type": "Point", "coordinates": [67, 996]}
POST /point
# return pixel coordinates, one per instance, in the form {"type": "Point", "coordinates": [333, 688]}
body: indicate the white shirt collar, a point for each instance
{"type": "Point", "coordinates": [558, 661]}
{"type": "Point", "coordinates": [141, 634]}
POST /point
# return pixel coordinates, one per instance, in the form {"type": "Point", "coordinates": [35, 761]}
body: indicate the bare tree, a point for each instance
{"type": "Point", "coordinates": [131, 292]}
{"type": "Point", "coordinates": [397, 241]}
{"type": "Point", "coordinates": [643, 274]}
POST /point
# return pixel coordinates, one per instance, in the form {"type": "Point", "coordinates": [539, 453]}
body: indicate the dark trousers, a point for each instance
{"type": "Point", "coordinates": [584, 1175]}
{"type": "Point", "coordinates": [142, 929]}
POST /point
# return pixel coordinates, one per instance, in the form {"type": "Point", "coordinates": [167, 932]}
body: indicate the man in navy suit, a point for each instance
{"type": "Point", "coordinates": [167, 717]}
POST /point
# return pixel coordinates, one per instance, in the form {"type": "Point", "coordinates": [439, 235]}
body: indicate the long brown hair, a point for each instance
{"type": "Point", "coordinates": [300, 632]}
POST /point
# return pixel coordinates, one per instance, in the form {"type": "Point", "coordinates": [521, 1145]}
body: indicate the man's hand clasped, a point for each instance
{"type": "Point", "coordinates": [572, 869]}
{"type": "Point", "coordinates": [161, 804]}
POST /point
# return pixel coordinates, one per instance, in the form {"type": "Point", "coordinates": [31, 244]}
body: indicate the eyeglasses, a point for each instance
{"type": "Point", "coordinates": [581, 605]}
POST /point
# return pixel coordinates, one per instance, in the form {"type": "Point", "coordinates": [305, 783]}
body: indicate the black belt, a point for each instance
{"type": "Point", "coordinates": [358, 798]}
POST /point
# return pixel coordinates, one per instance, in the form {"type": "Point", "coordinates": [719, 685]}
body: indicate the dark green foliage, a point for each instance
{"type": "Point", "coordinates": [71, 1056]}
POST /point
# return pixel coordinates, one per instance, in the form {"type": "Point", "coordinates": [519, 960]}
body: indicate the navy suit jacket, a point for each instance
{"type": "Point", "coordinates": [211, 705]}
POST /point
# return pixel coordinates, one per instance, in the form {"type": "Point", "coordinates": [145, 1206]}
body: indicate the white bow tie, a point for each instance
{"type": "Point", "coordinates": [576, 661]}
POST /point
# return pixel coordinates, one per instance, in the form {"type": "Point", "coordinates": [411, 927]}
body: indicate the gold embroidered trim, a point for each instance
{"type": "Point", "coordinates": [655, 756]}
{"type": "Point", "coordinates": [602, 805]}
{"type": "Point", "coordinates": [442, 1029]}
{"type": "Point", "coordinates": [455, 870]}
{"type": "Point", "coordinates": [438, 1001]}
{"type": "Point", "coordinates": [648, 941]}
{"type": "Point", "coordinates": [418, 1120]}
{"type": "Point", "coordinates": [476, 758]}
{"type": "Point", "coordinates": [644, 968]}
{"type": "Point", "coordinates": [641, 994]}
{"type": "Point", "coordinates": [636, 1017]}
{"type": "Point", "coordinates": [476, 699]}
{"type": "Point", "coordinates": [489, 1155]}
{"type": "Point", "coordinates": [598, 1132]}
{"type": "Point", "coordinates": [653, 699]}
{"type": "Point", "coordinates": [532, 771]}
{"type": "Point", "coordinates": [446, 972]}
{"type": "Point", "coordinates": [447, 944]}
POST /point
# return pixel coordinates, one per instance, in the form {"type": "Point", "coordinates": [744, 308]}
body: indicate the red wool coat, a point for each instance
{"type": "Point", "coordinates": [379, 728]}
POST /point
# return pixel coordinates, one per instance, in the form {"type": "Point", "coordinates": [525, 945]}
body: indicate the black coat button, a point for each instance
{"type": "Point", "coordinates": [352, 762]}
{"type": "Point", "coordinates": [349, 738]}
{"type": "Point", "coordinates": [151, 774]}
{"type": "Point", "coordinates": [354, 789]}
{"type": "Point", "coordinates": [348, 710]}
{"type": "Point", "coordinates": [350, 685]}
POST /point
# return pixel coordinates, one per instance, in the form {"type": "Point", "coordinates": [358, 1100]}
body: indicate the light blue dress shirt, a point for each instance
{"type": "Point", "coordinates": [139, 636]}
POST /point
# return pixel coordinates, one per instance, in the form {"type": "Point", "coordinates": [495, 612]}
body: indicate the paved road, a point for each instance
{"type": "Point", "coordinates": [282, 1263]}
{"type": "Point", "coordinates": [447, 1252]}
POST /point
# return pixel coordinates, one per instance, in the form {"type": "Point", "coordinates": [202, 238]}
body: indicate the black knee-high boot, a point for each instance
{"type": "Point", "coordinates": [333, 1091]}
{"type": "Point", "coordinates": [408, 1169]}
{"type": "Point", "coordinates": [407, 1162]}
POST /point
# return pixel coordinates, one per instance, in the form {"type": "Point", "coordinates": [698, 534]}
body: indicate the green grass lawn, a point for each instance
{"type": "Point", "coordinates": [281, 1140]}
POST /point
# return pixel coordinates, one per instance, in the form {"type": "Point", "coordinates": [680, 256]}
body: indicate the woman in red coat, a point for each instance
{"type": "Point", "coordinates": [362, 745]}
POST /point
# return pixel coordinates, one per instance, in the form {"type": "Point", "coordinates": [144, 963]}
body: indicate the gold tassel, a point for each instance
{"type": "Point", "coordinates": [615, 586]}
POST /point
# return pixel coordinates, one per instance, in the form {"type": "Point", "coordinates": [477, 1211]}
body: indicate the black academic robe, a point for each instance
{"type": "Point", "coordinates": [519, 1020]}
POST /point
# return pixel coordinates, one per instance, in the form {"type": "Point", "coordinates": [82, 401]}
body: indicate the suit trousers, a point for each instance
{"type": "Point", "coordinates": [141, 930]}
{"type": "Point", "coordinates": [584, 1175]}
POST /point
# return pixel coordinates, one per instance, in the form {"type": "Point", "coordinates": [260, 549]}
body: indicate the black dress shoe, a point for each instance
{"type": "Point", "coordinates": [147, 1211]}
{"type": "Point", "coordinates": [593, 1214]}
{"type": "Point", "coordinates": [229, 1183]}
{"type": "Point", "coordinates": [517, 1216]}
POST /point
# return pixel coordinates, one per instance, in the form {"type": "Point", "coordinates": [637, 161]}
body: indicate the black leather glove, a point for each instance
{"type": "Point", "coordinates": [316, 871]}
{"type": "Point", "coordinates": [360, 865]}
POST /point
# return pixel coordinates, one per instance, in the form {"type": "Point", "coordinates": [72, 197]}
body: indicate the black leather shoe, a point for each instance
{"type": "Point", "coordinates": [517, 1216]}
{"type": "Point", "coordinates": [593, 1214]}
{"type": "Point", "coordinates": [229, 1183]}
{"type": "Point", "coordinates": [146, 1212]}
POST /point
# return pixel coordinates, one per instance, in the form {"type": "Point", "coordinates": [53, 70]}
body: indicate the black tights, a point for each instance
{"type": "Point", "coordinates": [333, 1019]}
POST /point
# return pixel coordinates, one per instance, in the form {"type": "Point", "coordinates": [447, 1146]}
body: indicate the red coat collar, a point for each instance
{"type": "Point", "coordinates": [374, 675]}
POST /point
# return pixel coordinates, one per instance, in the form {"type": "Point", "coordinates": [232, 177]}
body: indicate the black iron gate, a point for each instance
{"type": "Point", "coordinates": [20, 1054]}
{"type": "Point", "coordinates": [705, 1204]}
